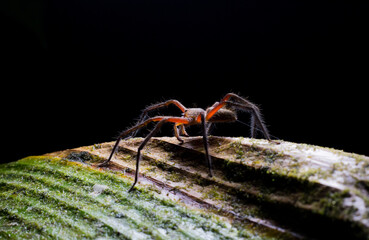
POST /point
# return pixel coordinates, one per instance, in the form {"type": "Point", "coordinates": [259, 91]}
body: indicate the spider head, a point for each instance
{"type": "Point", "coordinates": [193, 113]}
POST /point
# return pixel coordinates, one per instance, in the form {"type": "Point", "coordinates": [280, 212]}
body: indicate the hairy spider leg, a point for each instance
{"type": "Point", "coordinates": [218, 105]}
{"type": "Point", "coordinates": [200, 119]}
{"type": "Point", "coordinates": [206, 143]}
{"type": "Point", "coordinates": [145, 112]}
{"type": "Point", "coordinates": [176, 120]}
{"type": "Point", "coordinates": [256, 119]}
{"type": "Point", "coordinates": [140, 125]}
{"type": "Point", "coordinates": [246, 105]}
{"type": "Point", "coordinates": [161, 120]}
{"type": "Point", "coordinates": [142, 145]}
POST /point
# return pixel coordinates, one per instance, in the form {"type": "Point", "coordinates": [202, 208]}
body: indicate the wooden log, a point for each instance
{"type": "Point", "coordinates": [279, 189]}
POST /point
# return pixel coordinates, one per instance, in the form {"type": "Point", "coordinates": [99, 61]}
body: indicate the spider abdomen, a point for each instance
{"type": "Point", "coordinates": [223, 115]}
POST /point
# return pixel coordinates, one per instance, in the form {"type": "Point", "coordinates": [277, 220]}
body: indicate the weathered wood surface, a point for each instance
{"type": "Point", "coordinates": [294, 190]}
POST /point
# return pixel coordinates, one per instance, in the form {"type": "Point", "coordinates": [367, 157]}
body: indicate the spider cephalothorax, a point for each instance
{"type": "Point", "coordinates": [223, 111]}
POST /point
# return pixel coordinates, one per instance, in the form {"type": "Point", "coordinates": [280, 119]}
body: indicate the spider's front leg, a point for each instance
{"type": "Point", "coordinates": [142, 145]}
{"type": "Point", "coordinates": [150, 108]}
{"type": "Point", "coordinates": [139, 126]}
{"type": "Point", "coordinates": [161, 120]}
{"type": "Point", "coordinates": [177, 120]}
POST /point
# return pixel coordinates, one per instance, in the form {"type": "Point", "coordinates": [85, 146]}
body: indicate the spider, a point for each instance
{"type": "Point", "coordinates": [219, 112]}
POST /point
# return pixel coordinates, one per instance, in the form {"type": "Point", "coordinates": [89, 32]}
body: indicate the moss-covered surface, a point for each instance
{"type": "Point", "coordinates": [51, 198]}
{"type": "Point", "coordinates": [260, 189]}
{"type": "Point", "coordinates": [296, 187]}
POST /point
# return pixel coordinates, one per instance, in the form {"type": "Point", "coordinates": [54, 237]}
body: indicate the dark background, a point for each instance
{"type": "Point", "coordinates": [77, 72]}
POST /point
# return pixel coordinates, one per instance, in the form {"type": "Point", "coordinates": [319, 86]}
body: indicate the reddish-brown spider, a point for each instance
{"type": "Point", "coordinates": [223, 111]}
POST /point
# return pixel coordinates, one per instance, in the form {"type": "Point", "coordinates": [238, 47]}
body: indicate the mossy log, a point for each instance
{"type": "Point", "coordinates": [260, 190]}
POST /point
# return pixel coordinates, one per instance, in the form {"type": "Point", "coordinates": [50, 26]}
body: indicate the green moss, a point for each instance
{"type": "Point", "coordinates": [238, 149]}
{"type": "Point", "coordinates": [213, 193]}
{"type": "Point", "coordinates": [309, 173]}
{"type": "Point", "coordinates": [52, 198]}
{"type": "Point", "coordinates": [96, 146]}
{"type": "Point", "coordinates": [174, 177]}
{"type": "Point", "coordinates": [332, 205]}
{"type": "Point", "coordinates": [199, 180]}
{"type": "Point", "coordinates": [83, 156]}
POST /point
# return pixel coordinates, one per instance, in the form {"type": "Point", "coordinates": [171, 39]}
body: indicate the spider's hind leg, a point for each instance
{"type": "Point", "coordinates": [240, 103]}
{"type": "Point", "coordinates": [256, 121]}
{"type": "Point", "coordinates": [252, 126]}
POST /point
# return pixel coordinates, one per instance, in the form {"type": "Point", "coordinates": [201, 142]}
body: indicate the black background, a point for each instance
{"type": "Point", "coordinates": [78, 72]}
